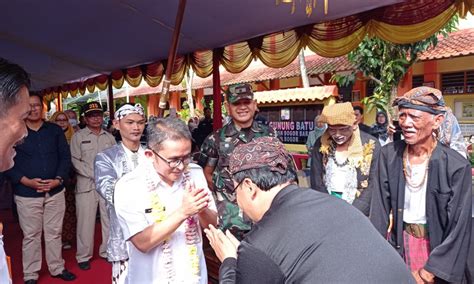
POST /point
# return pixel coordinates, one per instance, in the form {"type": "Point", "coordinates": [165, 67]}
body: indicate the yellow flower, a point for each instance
{"type": "Point", "coordinates": [193, 256]}
{"type": "Point", "coordinates": [369, 148]}
{"type": "Point", "coordinates": [324, 149]}
{"type": "Point", "coordinates": [158, 210]}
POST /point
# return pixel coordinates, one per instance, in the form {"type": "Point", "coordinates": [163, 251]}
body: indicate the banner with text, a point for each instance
{"type": "Point", "coordinates": [292, 132]}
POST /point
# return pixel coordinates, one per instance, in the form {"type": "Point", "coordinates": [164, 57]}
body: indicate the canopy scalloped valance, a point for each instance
{"type": "Point", "coordinates": [406, 22]}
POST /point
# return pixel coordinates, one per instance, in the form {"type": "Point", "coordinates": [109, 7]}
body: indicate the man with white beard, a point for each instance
{"type": "Point", "coordinates": [343, 157]}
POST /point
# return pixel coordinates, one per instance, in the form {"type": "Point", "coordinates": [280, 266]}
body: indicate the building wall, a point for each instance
{"type": "Point", "coordinates": [459, 103]}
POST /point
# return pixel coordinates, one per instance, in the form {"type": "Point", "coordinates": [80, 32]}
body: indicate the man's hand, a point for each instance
{"type": "Point", "coordinates": [224, 245]}
{"type": "Point", "coordinates": [422, 276]}
{"type": "Point", "coordinates": [391, 129]}
{"type": "Point", "coordinates": [36, 183]}
{"type": "Point", "coordinates": [194, 200]}
{"type": "Point", "coordinates": [49, 184]}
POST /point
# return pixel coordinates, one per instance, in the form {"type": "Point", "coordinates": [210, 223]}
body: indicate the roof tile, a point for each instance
{"type": "Point", "coordinates": [459, 43]}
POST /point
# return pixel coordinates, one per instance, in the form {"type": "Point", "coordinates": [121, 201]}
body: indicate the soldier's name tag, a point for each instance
{"type": "Point", "coordinates": [148, 210]}
{"type": "Point", "coordinates": [86, 142]}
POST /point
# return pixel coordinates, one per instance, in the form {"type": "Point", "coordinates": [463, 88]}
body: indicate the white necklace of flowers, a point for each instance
{"type": "Point", "coordinates": [191, 232]}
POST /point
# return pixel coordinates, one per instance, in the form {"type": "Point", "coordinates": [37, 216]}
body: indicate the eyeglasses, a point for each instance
{"type": "Point", "coordinates": [237, 186]}
{"type": "Point", "coordinates": [35, 105]}
{"type": "Point", "coordinates": [174, 163]}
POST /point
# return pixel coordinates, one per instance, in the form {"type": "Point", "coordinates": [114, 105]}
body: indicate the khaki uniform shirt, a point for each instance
{"type": "Point", "coordinates": [84, 147]}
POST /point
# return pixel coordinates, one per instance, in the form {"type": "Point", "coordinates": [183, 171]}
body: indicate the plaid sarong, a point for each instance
{"type": "Point", "coordinates": [416, 251]}
{"type": "Point", "coordinates": [119, 271]}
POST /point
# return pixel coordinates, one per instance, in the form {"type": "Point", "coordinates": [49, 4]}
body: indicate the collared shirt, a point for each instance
{"type": "Point", "coordinates": [43, 154]}
{"type": "Point", "coordinates": [84, 147]}
{"type": "Point", "coordinates": [133, 204]}
{"type": "Point", "coordinates": [217, 147]}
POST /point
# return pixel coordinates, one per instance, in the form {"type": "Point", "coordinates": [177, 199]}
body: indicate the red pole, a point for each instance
{"type": "Point", "coordinates": [216, 94]}
{"type": "Point", "coordinates": [171, 58]}
{"type": "Point", "coordinates": [111, 97]}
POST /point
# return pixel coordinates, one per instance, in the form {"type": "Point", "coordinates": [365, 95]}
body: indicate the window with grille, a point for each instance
{"type": "Point", "coordinates": [457, 83]}
{"type": "Point", "coordinates": [417, 81]}
{"type": "Point", "coordinates": [370, 88]}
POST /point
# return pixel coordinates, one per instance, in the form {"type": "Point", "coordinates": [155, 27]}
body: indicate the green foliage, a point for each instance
{"type": "Point", "coordinates": [211, 106]}
{"type": "Point", "coordinates": [184, 113]}
{"type": "Point", "coordinates": [378, 101]}
{"type": "Point", "coordinates": [386, 63]}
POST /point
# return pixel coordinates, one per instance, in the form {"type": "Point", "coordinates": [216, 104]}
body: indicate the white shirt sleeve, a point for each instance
{"type": "Point", "coordinates": [129, 207]}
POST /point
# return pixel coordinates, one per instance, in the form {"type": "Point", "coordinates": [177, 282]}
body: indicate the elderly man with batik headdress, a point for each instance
{"type": "Point", "coordinates": [426, 186]}
{"type": "Point", "coordinates": [344, 157]}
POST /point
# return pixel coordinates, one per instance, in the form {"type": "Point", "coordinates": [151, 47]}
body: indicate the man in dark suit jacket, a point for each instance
{"type": "Point", "coordinates": [343, 157]}
{"type": "Point", "coordinates": [299, 235]}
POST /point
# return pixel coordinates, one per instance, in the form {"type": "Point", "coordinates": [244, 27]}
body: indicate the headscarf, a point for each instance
{"type": "Point", "coordinates": [258, 153]}
{"type": "Point", "coordinates": [425, 99]}
{"type": "Point", "coordinates": [449, 133]}
{"type": "Point", "coordinates": [380, 130]}
{"type": "Point", "coordinates": [69, 131]}
{"type": "Point", "coordinates": [127, 109]}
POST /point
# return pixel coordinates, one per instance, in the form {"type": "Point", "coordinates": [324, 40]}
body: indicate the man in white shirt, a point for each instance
{"type": "Point", "coordinates": [110, 165]}
{"type": "Point", "coordinates": [160, 206]}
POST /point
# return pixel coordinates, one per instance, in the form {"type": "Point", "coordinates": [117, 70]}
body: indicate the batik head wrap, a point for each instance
{"type": "Point", "coordinates": [425, 99]}
{"type": "Point", "coordinates": [129, 109]}
{"type": "Point", "coordinates": [341, 113]}
{"type": "Point", "coordinates": [260, 152]}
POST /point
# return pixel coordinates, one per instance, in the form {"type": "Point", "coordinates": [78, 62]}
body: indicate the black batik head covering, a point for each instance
{"type": "Point", "coordinates": [260, 152]}
{"type": "Point", "coordinates": [422, 98]}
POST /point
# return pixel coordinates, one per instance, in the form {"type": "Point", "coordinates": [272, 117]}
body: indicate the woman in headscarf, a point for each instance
{"type": "Point", "coordinates": [380, 128]}
{"type": "Point", "coordinates": [69, 225]}
{"type": "Point", "coordinates": [61, 119]}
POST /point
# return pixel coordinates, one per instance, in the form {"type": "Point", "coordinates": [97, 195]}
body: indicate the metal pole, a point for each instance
{"type": "Point", "coordinates": [216, 92]}
{"type": "Point", "coordinates": [171, 57]}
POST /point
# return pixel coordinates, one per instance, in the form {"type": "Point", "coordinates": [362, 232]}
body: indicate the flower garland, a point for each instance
{"type": "Point", "coordinates": [362, 162]}
{"type": "Point", "coordinates": [192, 236]}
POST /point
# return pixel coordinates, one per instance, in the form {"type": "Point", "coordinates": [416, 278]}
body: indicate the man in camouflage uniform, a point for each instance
{"type": "Point", "coordinates": [218, 146]}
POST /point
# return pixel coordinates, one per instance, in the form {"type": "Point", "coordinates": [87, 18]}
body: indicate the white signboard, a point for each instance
{"type": "Point", "coordinates": [467, 129]}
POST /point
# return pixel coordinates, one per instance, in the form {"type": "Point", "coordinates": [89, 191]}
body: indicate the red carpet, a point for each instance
{"type": "Point", "coordinates": [100, 272]}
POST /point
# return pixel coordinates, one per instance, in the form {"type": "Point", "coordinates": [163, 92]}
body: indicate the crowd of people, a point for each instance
{"type": "Point", "coordinates": [400, 213]}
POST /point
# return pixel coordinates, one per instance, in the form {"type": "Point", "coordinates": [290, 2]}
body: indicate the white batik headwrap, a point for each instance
{"type": "Point", "coordinates": [129, 109]}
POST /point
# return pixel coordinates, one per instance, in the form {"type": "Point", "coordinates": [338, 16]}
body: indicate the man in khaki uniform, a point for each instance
{"type": "Point", "coordinates": [85, 145]}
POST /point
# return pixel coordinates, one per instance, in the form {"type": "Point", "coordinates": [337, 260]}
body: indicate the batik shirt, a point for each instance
{"type": "Point", "coordinates": [217, 147]}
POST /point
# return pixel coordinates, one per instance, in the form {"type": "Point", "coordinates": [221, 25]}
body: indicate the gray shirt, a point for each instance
{"type": "Point", "coordinates": [110, 165]}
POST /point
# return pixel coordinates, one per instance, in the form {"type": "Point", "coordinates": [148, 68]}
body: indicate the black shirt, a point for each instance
{"type": "Point", "coordinates": [44, 154]}
{"type": "Point", "coordinates": [310, 237]}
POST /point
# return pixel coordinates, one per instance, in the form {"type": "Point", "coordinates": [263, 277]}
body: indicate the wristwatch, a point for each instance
{"type": "Point", "coordinates": [61, 181]}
